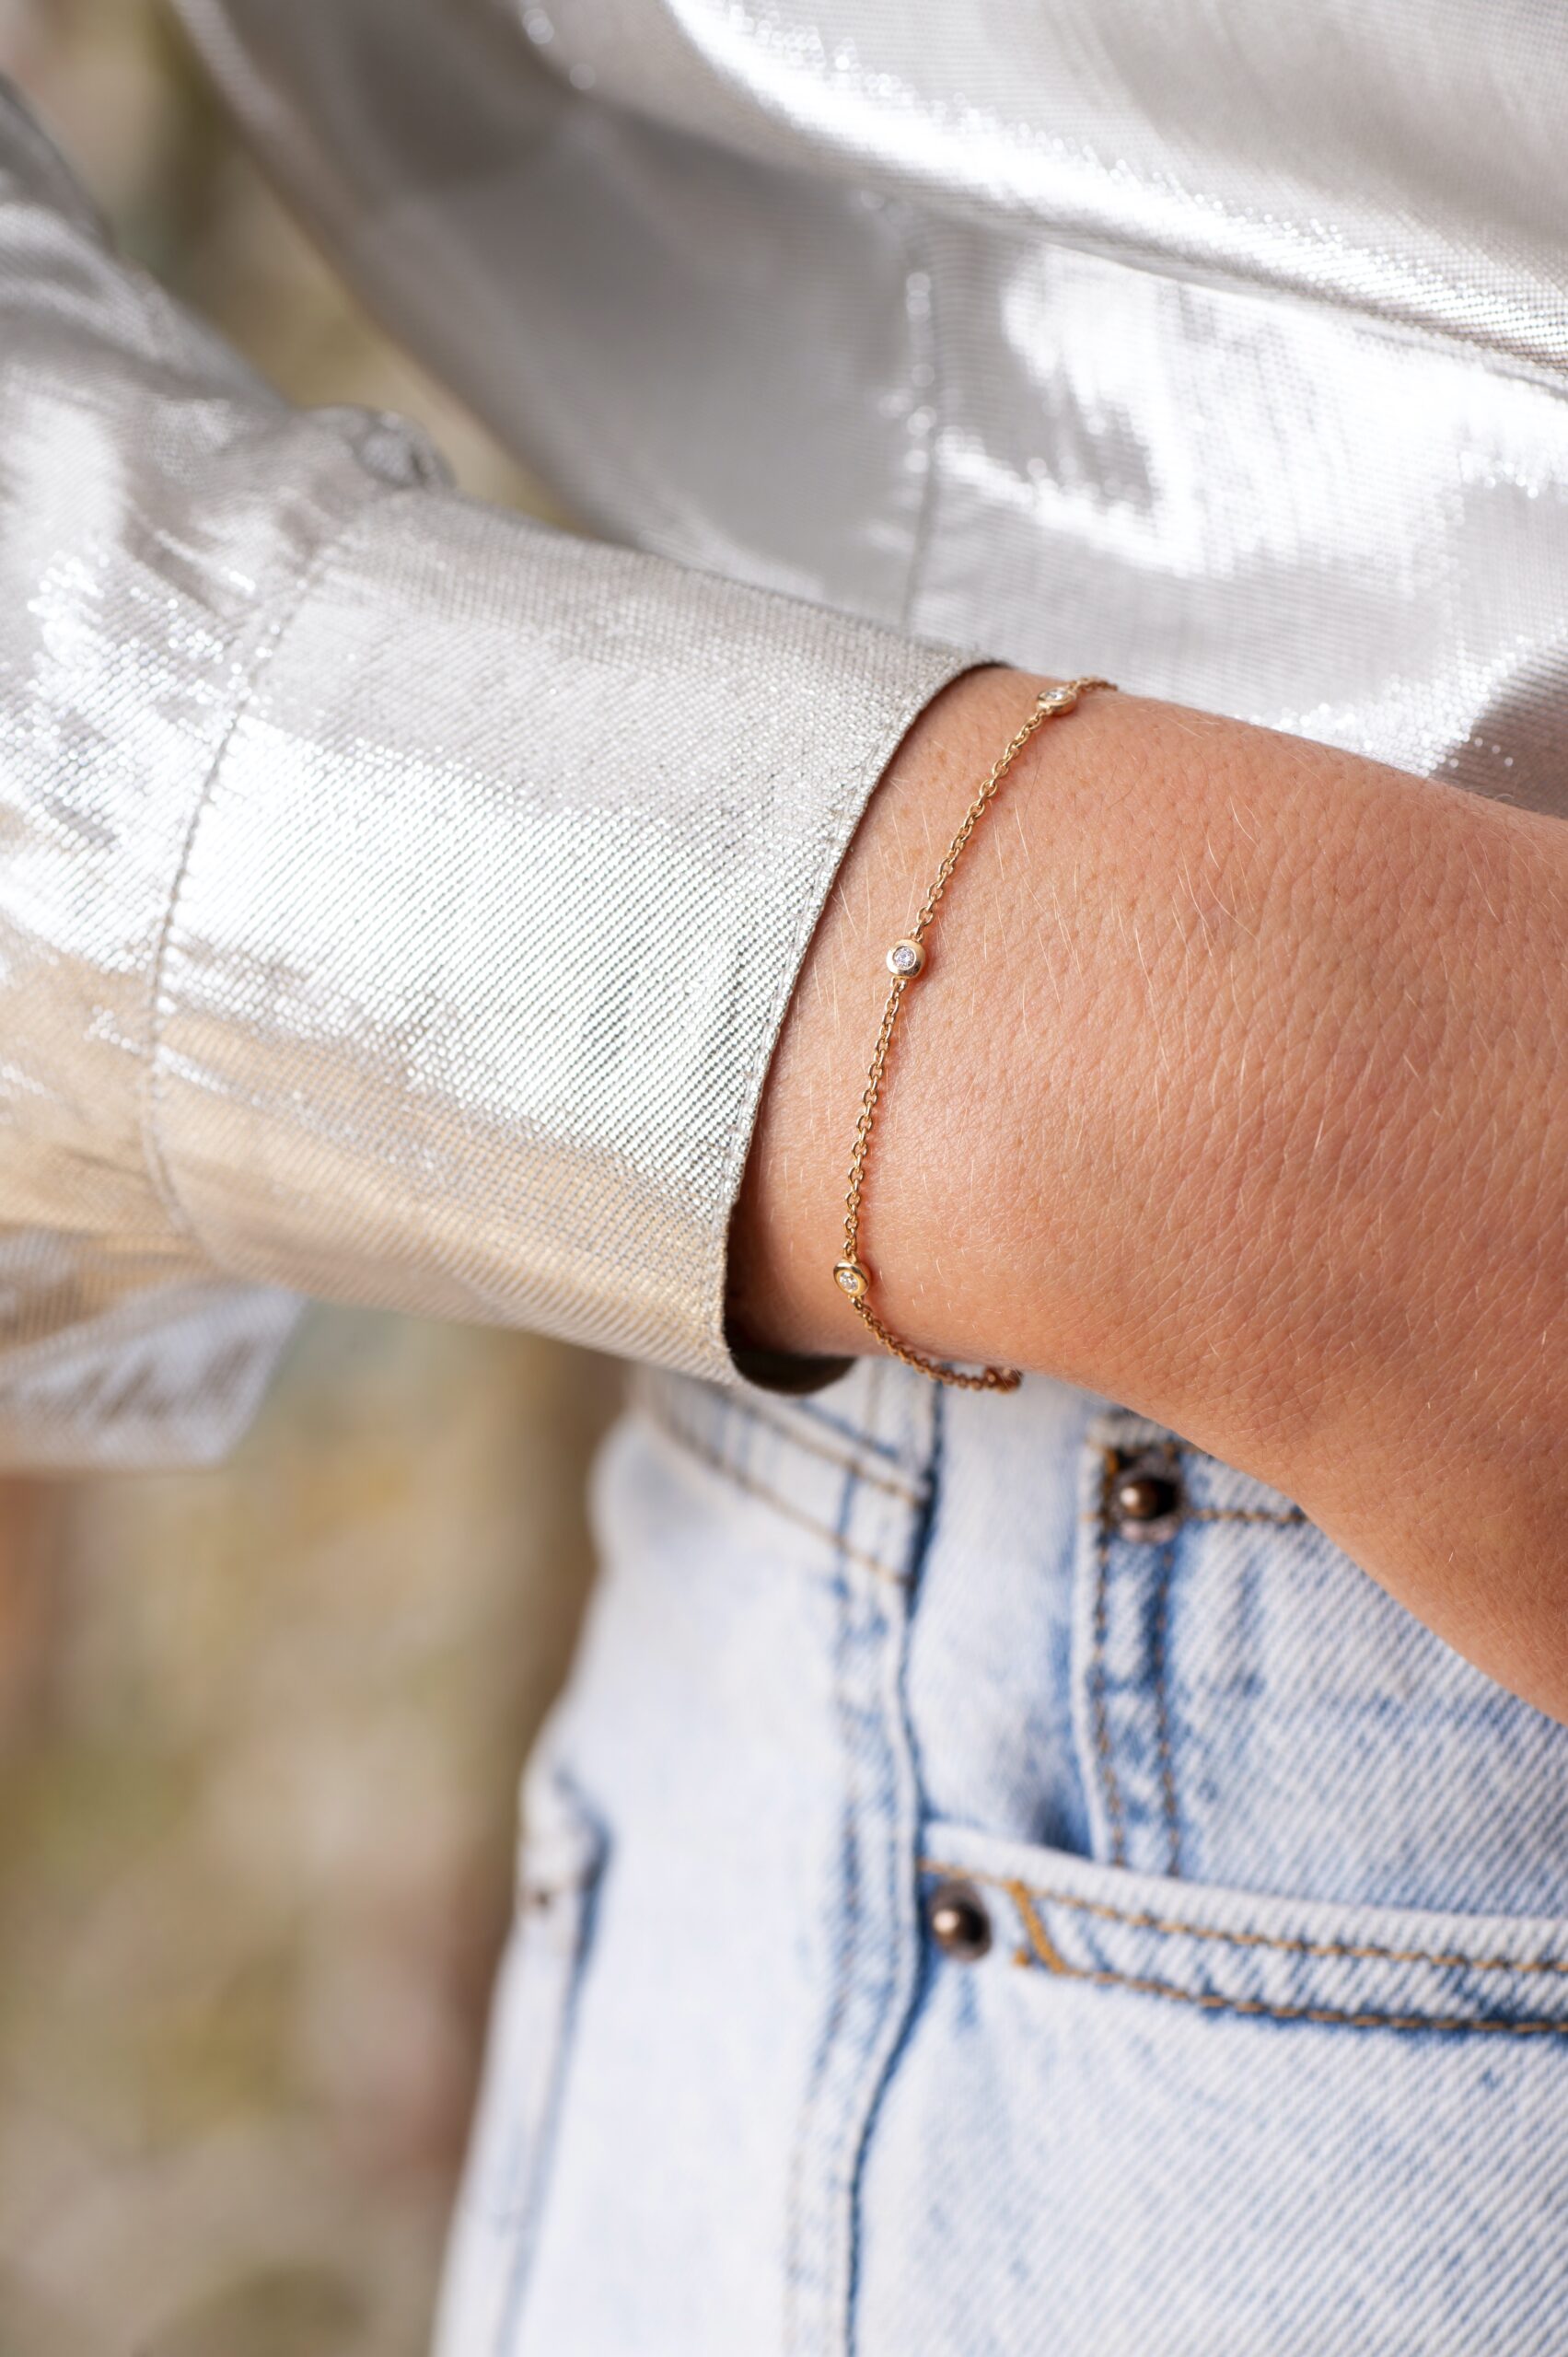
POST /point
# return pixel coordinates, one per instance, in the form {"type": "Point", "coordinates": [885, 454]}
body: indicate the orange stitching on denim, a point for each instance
{"type": "Point", "coordinates": [1210, 2001]}
{"type": "Point", "coordinates": [1161, 1712]}
{"type": "Point", "coordinates": [1113, 1463]}
{"type": "Point", "coordinates": [755, 1489]}
{"type": "Point", "coordinates": [1353, 1952]}
{"type": "Point", "coordinates": [908, 1493]}
{"type": "Point", "coordinates": [1180, 1448]}
{"type": "Point", "coordinates": [1243, 1514]}
{"type": "Point", "coordinates": [1289, 1521]}
{"type": "Point", "coordinates": [1045, 1952]}
{"type": "Point", "coordinates": [1109, 1465]}
{"type": "Point", "coordinates": [1176, 1449]}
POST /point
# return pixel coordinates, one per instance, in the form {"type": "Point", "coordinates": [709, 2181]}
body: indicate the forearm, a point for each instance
{"type": "Point", "coordinates": [1235, 1091]}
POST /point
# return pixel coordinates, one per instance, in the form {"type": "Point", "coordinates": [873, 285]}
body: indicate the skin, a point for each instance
{"type": "Point", "coordinates": [1234, 1090]}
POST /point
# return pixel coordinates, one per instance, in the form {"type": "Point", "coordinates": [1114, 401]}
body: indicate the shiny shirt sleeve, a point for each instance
{"type": "Point", "coordinates": [400, 900]}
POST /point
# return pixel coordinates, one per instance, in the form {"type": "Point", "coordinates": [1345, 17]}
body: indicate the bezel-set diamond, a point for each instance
{"type": "Point", "coordinates": [905, 960]}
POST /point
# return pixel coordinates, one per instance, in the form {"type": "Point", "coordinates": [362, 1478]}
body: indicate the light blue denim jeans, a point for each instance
{"type": "Point", "coordinates": [1000, 1882]}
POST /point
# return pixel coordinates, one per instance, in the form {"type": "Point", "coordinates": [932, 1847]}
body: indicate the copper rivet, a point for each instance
{"type": "Point", "coordinates": [959, 1923]}
{"type": "Point", "coordinates": [1146, 1497]}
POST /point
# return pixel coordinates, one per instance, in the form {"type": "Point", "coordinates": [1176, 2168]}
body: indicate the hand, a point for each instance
{"type": "Point", "coordinates": [1235, 1090]}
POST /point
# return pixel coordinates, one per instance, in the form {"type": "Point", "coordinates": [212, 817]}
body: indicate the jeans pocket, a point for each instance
{"type": "Point", "coordinates": [1236, 1952]}
{"type": "Point", "coordinates": [1251, 1709]}
{"type": "Point", "coordinates": [530, 2030]}
{"type": "Point", "coordinates": [1161, 2117]}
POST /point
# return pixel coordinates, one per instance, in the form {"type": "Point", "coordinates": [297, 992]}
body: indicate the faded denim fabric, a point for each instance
{"type": "Point", "coordinates": [1268, 2055]}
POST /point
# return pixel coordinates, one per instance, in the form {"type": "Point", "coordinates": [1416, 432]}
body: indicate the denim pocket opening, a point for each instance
{"type": "Point", "coordinates": [1075, 1922]}
{"type": "Point", "coordinates": [1252, 1709]}
{"type": "Point", "coordinates": [560, 1862]}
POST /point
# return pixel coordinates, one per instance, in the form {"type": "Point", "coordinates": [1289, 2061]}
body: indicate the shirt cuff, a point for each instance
{"type": "Point", "coordinates": [489, 918]}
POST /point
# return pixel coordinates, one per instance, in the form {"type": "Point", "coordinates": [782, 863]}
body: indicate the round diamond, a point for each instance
{"type": "Point", "coordinates": [852, 1279]}
{"type": "Point", "coordinates": [905, 958]}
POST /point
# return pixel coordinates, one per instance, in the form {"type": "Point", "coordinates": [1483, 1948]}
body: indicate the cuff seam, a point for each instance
{"type": "Point", "coordinates": [851, 807]}
{"type": "Point", "coordinates": [289, 605]}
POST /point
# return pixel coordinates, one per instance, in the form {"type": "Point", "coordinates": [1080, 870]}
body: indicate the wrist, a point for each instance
{"type": "Point", "coordinates": [1022, 1135]}
{"type": "Point", "coordinates": [1232, 1091]}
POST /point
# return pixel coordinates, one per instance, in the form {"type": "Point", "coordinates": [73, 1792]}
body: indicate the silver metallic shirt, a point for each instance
{"type": "Point", "coordinates": [400, 900]}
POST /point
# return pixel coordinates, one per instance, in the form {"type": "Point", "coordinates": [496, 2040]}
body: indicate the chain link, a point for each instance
{"type": "Point", "coordinates": [850, 1273]}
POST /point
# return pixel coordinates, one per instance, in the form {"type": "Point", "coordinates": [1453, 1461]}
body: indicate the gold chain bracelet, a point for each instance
{"type": "Point", "coordinates": [906, 962]}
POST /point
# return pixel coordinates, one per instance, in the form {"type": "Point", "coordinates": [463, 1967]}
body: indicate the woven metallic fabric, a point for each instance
{"type": "Point", "coordinates": [398, 901]}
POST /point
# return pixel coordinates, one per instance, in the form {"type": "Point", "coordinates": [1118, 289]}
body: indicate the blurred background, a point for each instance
{"type": "Point", "coordinates": [260, 1728]}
